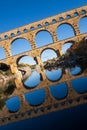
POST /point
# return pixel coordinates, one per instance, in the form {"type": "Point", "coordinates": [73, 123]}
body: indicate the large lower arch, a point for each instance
{"type": "Point", "coordinates": [48, 57]}
{"type": "Point", "coordinates": [66, 46]}
{"type": "Point", "coordinates": [30, 76]}
{"type": "Point", "coordinates": [43, 38]}
{"type": "Point", "coordinates": [65, 31]}
{"type": "Point", "coordinates": [2, 53]}
{"type": "Point", "coordinates": [82, 25]}
{"type": "Point", "coordinates": [48, 54]}
{"type": "Point", "coordinates": [20, 45]}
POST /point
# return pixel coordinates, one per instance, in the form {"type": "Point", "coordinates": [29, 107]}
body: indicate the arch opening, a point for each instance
{"type": "Point", "coordinates": [54, 21]}
{"type": "Point", "coordinates": [20, 45]}
{"type": "Point", "coordinates": [32, 28]}
{"type": "Point", "coordinates": [68, 17]}
{"type": "Point", "coordinates": [36, 97]}
{"type": "Point", "coordinates": [46, 23]}
{"type": "Point", "coordinates": [27, 66]}
{"type": "Point", "coordinates": [18, 32]}
{"type": "Point", "coordinates": [66, 46]}
{"type": "Point", "coordinates": [83, 11]}
{"type": "Point", "coordinates": [76, 14]}
{"type": "Point", "coordinates": [39, 26]}
{"type": "Point", "coordinates": [71, 58]}
{"type": "Point", "coordinates": [54, 75]}
{"type": "Point", "coordinates": [25, 30]}
{"type": "Point", "coordinates": [76, 70]}
{"type": "Point", "coordinates": [65, 31]}
{"type": "Point", "coordinates": [80, 85]}
{"type": "Point", "coordinates": [12, 34]}
{"type": "Point", "coordinates": [82, 25]}
{"type": "Point", "coordinates": [61, 19]}
{"type": "Point", "coordinates": [43, 38]}
{"type": "Point", "coordinates": [6, 36]}
{"type": "Point", "coordinates": [10, 104]}
{"type": "Point", "coordinates": [48, 54]}
{"type": "Point", "coordinates": [59, 91]}
{"type": "Point", "coordinates": [48, 58]}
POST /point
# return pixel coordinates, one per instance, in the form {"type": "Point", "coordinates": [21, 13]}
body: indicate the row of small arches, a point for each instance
{"type": "Point", "coordinates": [45, 24]}
{"type": "Point", "coordinates": [81, 24]}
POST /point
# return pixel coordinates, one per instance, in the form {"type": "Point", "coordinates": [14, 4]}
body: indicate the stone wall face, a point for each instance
{"type": "Point", "coordinates": [29, 32]}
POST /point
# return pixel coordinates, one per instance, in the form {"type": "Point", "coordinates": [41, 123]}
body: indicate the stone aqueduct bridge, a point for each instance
{"type": "Point", "coordinates": [29, 32]}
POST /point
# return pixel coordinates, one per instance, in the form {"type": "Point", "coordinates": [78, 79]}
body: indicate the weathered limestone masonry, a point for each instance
{"type": "Point", "coordinates": [6, 39]}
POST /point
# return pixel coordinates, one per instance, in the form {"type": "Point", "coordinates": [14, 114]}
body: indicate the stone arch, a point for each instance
{"type": "Point", "coordinates": [82, 24]}
{"type": "Point", "coordinates": [20, 45]}
{"type": "Point", "coordinates": [26, 61]}
{"type": "Point", "coordinates": [76, 14]}
{"type": "Point", "coordinates": [48, 52]}
{"type": "Point", "coordinates": [36, 98]}
{"type": "Point", "coordinates": [48, 58]}
{"type": "Point", "coordinates": [54, 75]}
{"type": "Point", "coordinates": [18, 59]}
{"type": "Point", "coordinates": [10, 104]}
{"type": "Point", "coordinates": [83, 11]}
{"type": "Point", "coordinates": [18, 32]}
{"type": "Point", "coordinates": [32, 28]}
{"type": "Point", "coordinates": [80, 85]}
{"type": "Point", "coordinates": [6, 37]}
{"type": "Point", "coordinates": [2, 53]}
{"type": "Point", "coordinates": [46, 23]}
{"type": "Point", "coordinates": [39, 26]}
{"type": "Point", "coordinates": [64, 31]}
{"type": "Point", "coordinates": [61, 19]}
{"type": "Point", "coordinates": [27, 66]}
{"type": "Point", "coordinates": [68, 16]}
{"type": "Point", "coordinates": [66, 46]}
{"type": "Point", "coordinates": [12, 35]}
{"type": "Point", "coordinates": [54, 21]}
{"type": "Point", "coordinates": [25, 30]}
{"type": "Point", "coordinates": [59, 91]}
{"type": "Point", "coordinates": [43, 37]}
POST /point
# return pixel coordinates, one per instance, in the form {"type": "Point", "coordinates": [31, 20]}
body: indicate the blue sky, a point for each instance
{"type": "Point", "coordinates": [20, 12]}
{"type": "Point", "coordinates": [16, 13]}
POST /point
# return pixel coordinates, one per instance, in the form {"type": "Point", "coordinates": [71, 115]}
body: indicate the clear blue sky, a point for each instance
{"type": "Point", "coordinates": [20, 12]}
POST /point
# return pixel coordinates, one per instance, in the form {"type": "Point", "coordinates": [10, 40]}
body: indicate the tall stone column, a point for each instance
{"type": "Point", "coordinates": [40, 67]}
{"type": "Point", "coordinates": [76, 28]}
{"type": "Point", "coordinates": [24, 103]}
{"type": "Point", "coordinates": [31, 39]}
{"type": "Point", "coordinates": [71, 92]}
{"type": "Point", "coordinates": [53, 33]}
{"type": "Point", "coordinates": [17, 74]}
